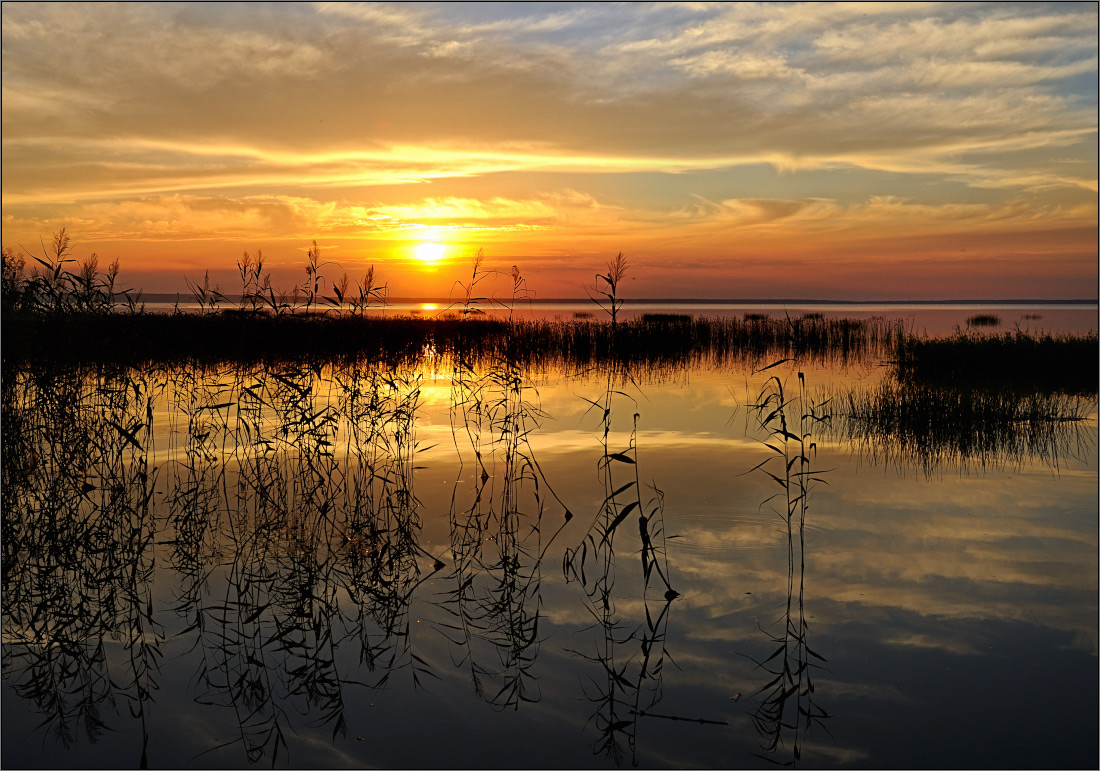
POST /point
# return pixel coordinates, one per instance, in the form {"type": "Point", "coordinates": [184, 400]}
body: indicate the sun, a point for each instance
{"type": "Point", "coordinates": [429, 253]}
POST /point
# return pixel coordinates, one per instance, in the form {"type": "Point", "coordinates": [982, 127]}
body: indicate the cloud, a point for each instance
{"type": "Point", "coordinates": [360, 104]}
{"type": "Point", "coordinates": [762, 69]}
{"type": "Point", "coordinates": [270, 217]}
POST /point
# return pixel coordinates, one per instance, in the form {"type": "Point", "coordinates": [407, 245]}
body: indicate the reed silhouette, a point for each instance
{"type": "Point", "coordinates": [629, 656]}
{"type": "Point", "coordinates": [942, 427]}
{"type": "Point", "coordinates": [262, 323]}
{"type": "Point", "coordinates": [78, 534]}
{"type": "Point", "coordinates": [787, 709]}
{"type": "Point", "coordinates": [260, 468]}
{"type": "Point", "coordinates": [51, 289]}
{"type": "Point", "coordinates": [497, 540]}
{"type": "Point", "coordinates": [265, 521]}
{"type": "Point", "coordinates": [306, 524]}
{"type": "Point", "coordinates": [1016, 361]}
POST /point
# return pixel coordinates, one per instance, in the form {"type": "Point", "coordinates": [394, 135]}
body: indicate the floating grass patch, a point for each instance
{"type": "Point", "coordinates": [984, 320]}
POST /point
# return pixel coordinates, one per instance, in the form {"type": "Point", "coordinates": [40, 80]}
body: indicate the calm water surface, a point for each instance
{"type": "Point", "coordinates": [921, 318]}
{"type": "Point", "coordinates": [439, 566]}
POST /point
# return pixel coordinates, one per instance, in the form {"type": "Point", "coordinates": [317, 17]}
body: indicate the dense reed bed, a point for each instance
{"type": "Point", "coordinates": [1015, 360]}
{"type": "Point", "coordinates": [577, 344]}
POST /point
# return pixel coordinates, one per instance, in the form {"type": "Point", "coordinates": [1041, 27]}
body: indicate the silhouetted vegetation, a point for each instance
{"type": "Point", "coordinates": [936, 427]}
{"type": "Point", "coordinates": [51, 288]}
{"type": "Point", "coordinates": [1013, 360]}
{"type": "Point", "coordinates": [641, 343]}
{"type": "Point", "coordinates": [78, 547]}
{"type": "Point", "coordinates": [283, 548]}
{"type": "Point", "coordinates": [983, 320]}
{"type": "Point", "coordinates": [788, 709]}
{"type": "Point", "coordinates": [497, 539]}
{"type": "Point", "coordinates": [59, 314]}
{"type": "Point", "coordinates": [629, 655]}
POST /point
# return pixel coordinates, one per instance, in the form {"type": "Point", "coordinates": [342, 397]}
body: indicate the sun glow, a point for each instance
{"type": "Point", "coordinates": [429, 253]}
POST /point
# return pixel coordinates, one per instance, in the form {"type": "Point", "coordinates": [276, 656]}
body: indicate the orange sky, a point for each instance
{"type": "Point", "coordinates": [896, 151]}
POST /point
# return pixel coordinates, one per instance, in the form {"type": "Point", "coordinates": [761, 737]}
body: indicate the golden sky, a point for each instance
{"type": "Point", "coordinates": [889, 151]}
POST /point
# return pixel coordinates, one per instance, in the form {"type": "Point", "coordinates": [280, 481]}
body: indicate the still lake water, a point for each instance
{"type": "Point", "coordinates": [921, 318]}
{"type": "Point", "coordinates": [439, 566]}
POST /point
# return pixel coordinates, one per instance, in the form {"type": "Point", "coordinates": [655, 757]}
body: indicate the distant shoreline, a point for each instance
{"type": "Point", "coordinates": [168, 297]}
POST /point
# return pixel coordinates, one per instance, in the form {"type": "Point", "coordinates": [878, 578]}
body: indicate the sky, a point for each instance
{"type": "Point", "coordinates": [734, 150]}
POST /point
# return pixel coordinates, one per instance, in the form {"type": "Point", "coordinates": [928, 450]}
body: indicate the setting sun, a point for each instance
{"type": "Point", "coordinates": [429, 253]}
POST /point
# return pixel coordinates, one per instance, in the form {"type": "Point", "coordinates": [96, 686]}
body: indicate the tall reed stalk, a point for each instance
{"type": "Point", "coordinates": [497, 540]}
{"type": "Point", "coordinates": [789, 710]}
{"type": "Point", "coordinates": [630, 659]}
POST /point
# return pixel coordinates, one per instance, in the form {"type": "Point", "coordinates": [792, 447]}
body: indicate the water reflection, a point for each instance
{"type": "Point", "coordinates": [630, 655]}
{"type": "Point", "coordinates": [275, 530]}
{"type": "Point", "coordinates": [78, 532]}
{"type": "Point", "coordinates": [496, 539]}
{"type": "Point", "coordinates": [290, 543]}
{"type": "Point", "coordinates": [788, 709]}
{"type": "Point", "coordinates": [941, 427]}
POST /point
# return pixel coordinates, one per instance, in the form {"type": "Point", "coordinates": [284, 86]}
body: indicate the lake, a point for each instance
{"type": "Point", "coordinates": [476, 562]}
{"type": "Point", "coordinates": [933, 318]}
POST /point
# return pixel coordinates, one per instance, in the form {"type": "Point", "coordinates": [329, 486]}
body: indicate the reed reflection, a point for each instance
{"type": "Point", "coordinates": [787, 710]}
{"type": "Point", "coordinates": [278, 524]}
{"type": "Point", "coordinates": [497, 540]}
{"type": "Point", "coordinates": [78, 542]}
{"type": "Point", "coordinates": [934, 427]}
{"type": "Point", "coordinates": [630, 655]}
{"type": "Point", "coordinates": [288, 516]}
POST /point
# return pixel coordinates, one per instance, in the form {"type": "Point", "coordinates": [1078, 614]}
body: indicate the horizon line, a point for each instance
{"type": "Point", "coordinates": [171, 296]}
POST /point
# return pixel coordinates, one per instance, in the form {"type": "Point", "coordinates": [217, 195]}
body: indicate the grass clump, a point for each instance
{"type": "Point", "coordinates": [52, 288]}
{"type": "Point", "coordinates": [984, 320]}
{"type": "Point", "coordinates": [1014, 360]}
